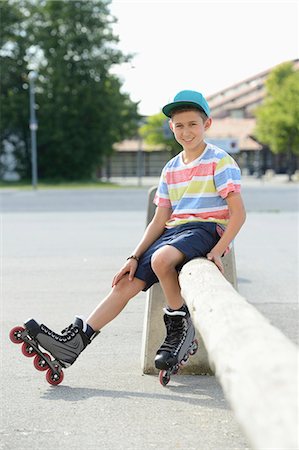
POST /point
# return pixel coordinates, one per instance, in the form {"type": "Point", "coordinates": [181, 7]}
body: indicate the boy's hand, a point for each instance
{"type": "Point", "coordinates": [130, 268]}
{"type": "Point", "coordinates": [216, 259]}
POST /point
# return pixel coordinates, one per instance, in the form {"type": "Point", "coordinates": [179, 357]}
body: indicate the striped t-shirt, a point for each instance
{"type": "Point", "coordinates": [197, 191]}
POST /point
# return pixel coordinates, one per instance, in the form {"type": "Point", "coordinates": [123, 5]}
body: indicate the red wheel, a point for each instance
{"type": "Point", "coordinates": [184, 361]}
{"type": "Point", "coordinates": [40, 363]}
{"type": "Point", "coordinates": [176, 371]}
{"type": "Point", "coordinates": [28, 350]}
{"type": "Point", "coordinates": [15, 335]}
{"type": "Point", "coordinates": [164, 377]}
{"type": "Point", "coordinates": [54, 379]}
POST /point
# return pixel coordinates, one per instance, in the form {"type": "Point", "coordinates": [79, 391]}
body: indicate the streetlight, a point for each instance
{"type": "Point", "coordinates": [32, 76]}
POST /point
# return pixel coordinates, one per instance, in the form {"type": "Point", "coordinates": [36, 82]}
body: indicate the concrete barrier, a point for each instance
{"type": "Point", "coordinates": [154, 329]}
{"type": "Point", "coordinates": [255, 363]}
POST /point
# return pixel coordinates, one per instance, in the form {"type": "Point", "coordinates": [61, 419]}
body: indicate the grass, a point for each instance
{"type": "Point", "coordinates": [54, 184]}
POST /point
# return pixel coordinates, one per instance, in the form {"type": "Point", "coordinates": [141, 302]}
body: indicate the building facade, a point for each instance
{"type": "Point", "coordinates": [233, 116]}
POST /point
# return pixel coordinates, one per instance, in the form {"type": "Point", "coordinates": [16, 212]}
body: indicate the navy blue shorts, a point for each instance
{"type": "Point", "coordinates": [192, 239]}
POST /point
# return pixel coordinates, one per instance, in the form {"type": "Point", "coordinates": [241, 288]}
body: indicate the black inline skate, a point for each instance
{"type": "Point", "coordinates": [179, 343]}
{"type": "Point", "coordinates": [65, 347]}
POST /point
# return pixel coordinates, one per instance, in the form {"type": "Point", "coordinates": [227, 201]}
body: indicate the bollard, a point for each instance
{"type": "Point", "coordinates": [154, 328]}
{"type": "Point", "coordinates": [254, 362]}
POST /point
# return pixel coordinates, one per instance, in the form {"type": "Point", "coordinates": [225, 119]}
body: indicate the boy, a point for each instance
{"type": "Point", "coordinates": [199, 212]}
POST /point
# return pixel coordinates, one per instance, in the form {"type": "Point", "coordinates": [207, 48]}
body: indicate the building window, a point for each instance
{"type": "Point", "coordinates": [237, 113]}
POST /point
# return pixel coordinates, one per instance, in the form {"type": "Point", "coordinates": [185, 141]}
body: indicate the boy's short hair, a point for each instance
{"type": "Point", "coordinates": [185, 108]}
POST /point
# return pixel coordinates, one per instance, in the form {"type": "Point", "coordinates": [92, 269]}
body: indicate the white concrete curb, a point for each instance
{"type": "Point", "coordinates": [254, 362]}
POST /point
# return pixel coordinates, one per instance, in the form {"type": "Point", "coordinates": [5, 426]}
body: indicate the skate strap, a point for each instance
{"type": "Point", "coordinates": [94, 335]}
{"type": "Point", "coordinates": [174, 313]}
{"type": "Point", "coordinates": [80, 323]}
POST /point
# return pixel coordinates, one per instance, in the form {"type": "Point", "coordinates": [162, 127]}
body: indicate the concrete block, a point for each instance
{"type": "Point", "coordinates": [255, 363]}
{"type": "Point", "coordinates": [269, 174]}
{"type": "Point", "coordinates": [154, 334]}
{"type": "Point", "coordinates": [295, 176]}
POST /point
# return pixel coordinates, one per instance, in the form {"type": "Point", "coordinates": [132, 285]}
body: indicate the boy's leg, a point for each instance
{"type": "Point", "coordinates": [68, 345]}
{"type": "Point", "coordinates": [164, 262]}
{"type": "Point", "coordinates": [115, 302]}
{"type": "Point", "coordinates": [180, 332]}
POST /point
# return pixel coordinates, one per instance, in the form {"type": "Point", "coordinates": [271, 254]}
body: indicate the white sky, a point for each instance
{"type": "Point", "coordinates": [200, 45]}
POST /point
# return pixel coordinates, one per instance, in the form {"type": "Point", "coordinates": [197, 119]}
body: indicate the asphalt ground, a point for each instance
{"type": "Point", "coordinates": [259, 196]}
{"type": "Point", "coordinates": [60, 250]}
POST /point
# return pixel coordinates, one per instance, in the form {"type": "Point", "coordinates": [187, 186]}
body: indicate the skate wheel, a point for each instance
{"type": "Point", "coordinates": [54, 378]}
{"type": "Point", "coordinates": [184, 361]}
{"type": "Point", "coordinates": [41, 363]}
{"type": "Point", "coordinates": [164, 377]}
{"type": "Point", "coordinates": [175, 371]}
{"type": "Point", "coordinates": [194, 347]}
{"type": "Point", "coordinates": [28, 350]}
{"type": "Point", "coordinates": [15, 335]}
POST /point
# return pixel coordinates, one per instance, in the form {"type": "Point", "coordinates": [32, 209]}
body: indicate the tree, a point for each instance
{"type": "Point", "coordinates": [14, 131]}
{"type": "Point", "coordinates": [278, 116]}
{"type": "Point", "coordinates": [156, 131]}
{"type": "Point", "coordinates": [81, 109]}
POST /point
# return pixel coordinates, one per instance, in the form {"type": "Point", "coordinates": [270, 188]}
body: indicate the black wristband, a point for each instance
{"type": "Point", "coordinates": [133, 257]}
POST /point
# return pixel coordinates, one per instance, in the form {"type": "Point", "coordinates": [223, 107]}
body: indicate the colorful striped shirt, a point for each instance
{"type": "Point", "coordinates": [196, 191]}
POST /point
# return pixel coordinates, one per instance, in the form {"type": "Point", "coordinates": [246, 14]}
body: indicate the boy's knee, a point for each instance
{"type": "Point", "coordinates": [122, 283]}
{"type": "Point", "coordinates": [125, 286]}
{"type": "Point", "coordinates": [161, 262]}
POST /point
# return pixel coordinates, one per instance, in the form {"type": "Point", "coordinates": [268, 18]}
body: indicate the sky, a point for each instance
{"type": "Point", "coordinates": [200, 45]}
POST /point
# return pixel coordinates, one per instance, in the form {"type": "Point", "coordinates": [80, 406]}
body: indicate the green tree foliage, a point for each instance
{"type": "Point", "coordinates": [81, 109]}
{"type": "Point", "coordinates": [14, 129]}
{"type": "Point", "coordinates": [278, 116]}
{"type": "Point", "coordinates": [156, 133]}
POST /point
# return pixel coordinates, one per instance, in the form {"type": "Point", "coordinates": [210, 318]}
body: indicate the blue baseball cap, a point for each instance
{"type": "Point", "coordinates": [187, 98]}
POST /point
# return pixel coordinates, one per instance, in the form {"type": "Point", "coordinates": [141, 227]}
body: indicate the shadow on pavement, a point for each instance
{"type": "Point", "coordinates": [188, 391]}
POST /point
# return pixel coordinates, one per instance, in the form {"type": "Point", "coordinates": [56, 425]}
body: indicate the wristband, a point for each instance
{"type": "Point", "coordinates": [133, 257]}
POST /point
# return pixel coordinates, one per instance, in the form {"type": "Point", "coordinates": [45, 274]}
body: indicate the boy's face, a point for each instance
{"type": "Point", "coordinates": [189, 128]}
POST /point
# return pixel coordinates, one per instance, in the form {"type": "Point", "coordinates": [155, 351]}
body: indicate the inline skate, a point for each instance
{"type": "Point", "coordinates": [64, 348]}
{"type": "Point", "coordinates": [178, 345]}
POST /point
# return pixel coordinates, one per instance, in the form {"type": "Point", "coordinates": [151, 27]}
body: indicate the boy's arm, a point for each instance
{"type": "Point", "coordinates": [152, 232]}
{"type": "Point", "coordinates": [236, 220]}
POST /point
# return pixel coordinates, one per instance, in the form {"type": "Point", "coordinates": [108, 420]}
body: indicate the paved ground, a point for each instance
{"type": "Point", "coordinates": [60, 251]}
{"type": "Point", "coordinates": [259, 196]}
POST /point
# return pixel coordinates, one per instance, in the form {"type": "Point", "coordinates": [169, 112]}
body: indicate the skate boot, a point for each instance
{"type": "Point", "coordinates": [179, 343]}
{"type": "Point", "coordinates": [65, 347]}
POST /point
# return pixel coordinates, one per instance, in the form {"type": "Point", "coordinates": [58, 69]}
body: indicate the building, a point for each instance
{"type": "Point", "coordinates": [132, 157]}
{"type": "Point", "coordinates": [233, 117]}
{"type": "Point", "coordinates": [233, 120]}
